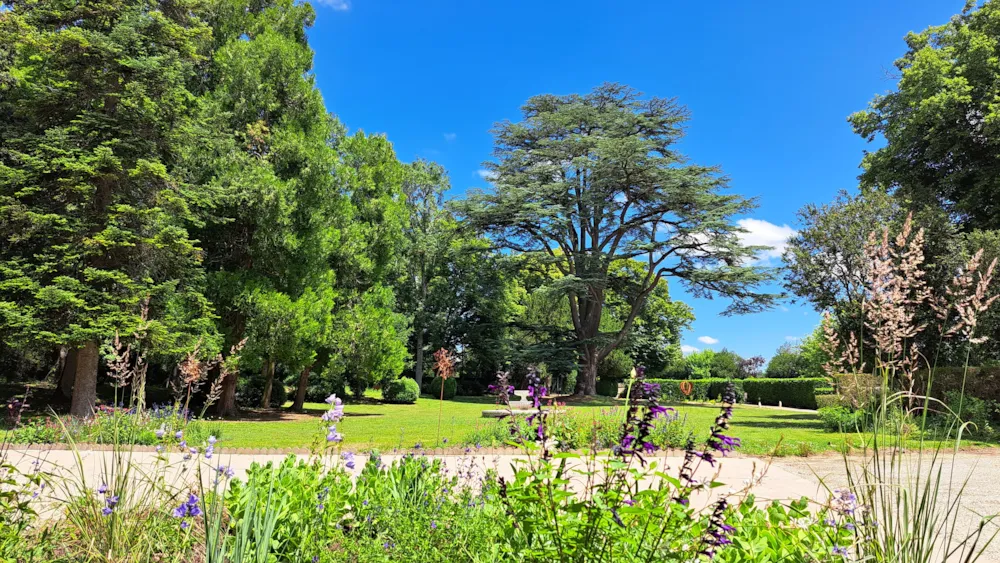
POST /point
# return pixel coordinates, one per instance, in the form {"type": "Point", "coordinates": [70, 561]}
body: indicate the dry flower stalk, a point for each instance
{"type": "Point", "coordinates": [895, 292]}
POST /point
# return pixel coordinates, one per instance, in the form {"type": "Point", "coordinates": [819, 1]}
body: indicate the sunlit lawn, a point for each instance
{"type": "Point", "coordinates": [386, 426]}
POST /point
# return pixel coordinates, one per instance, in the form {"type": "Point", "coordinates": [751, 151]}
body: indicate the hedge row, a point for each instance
{"type": "Point", "coordinates": [982, 383]}
{"type": "Point", "coordinates": [797, 393]}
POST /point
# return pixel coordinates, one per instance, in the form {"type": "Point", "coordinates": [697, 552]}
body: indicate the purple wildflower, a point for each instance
{"type": "Point", "coordinates": [348, 458]}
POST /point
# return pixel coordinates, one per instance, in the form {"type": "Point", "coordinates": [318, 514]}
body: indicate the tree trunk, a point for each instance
{"type": "Point", "coordinates": [586, 381]}
{"type": "Point", "coordinates": [85, 383]}
{"type": "Point", "coordinates": [68, 375]}
{"type": "Point", "coordinates": [227, 401]}
{"type": "Point", "coordinates": [300, 393]}
{"type": "Point", "coordinates": [267, 372]}
{"type": "Point", "coordinates": [418, 369]}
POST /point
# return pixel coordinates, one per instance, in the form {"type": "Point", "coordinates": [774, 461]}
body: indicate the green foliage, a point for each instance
{"type": "Point", "coordinates": [725, 365]}
{"type": "Point", "coordinates": [948, 73]}
{"type": "Point", "coordinates": [303, 499]}
{"type": "Point", "coordinates": [785, 533]}
{"type": "Point", "coordinates": [828, 400]}
{"type": "Point", "coordinates": [699, 364]}
{"type": "Point", "coordinates": [607, 387]}
{"type": "Point", "coordinates": [976, 382]}
{"type": "Point", "coordinates": [787, 363]}
{"type": "Point", "coordinates": [982, 414]}
{"type": "Point", "coordinates": [450, 387]}
{"type": "Point", "coordinates": [372, 344]}
{"type": "Point", "coordinates": [701, 389]}
{"type": "Point", "coordinates": [250, 392]}
{"type": "Point", "coordinates": [97, 200]}
{"type": "Point", "coordinates": [563, 165]}
{"type": "Point", "coordinates": [797, 393]}
{"type": "Point", "coordinates": [572, 431]}
{"type": "Point", "coordinates": [676, 370]}
{"type": "Point", "coordinates": [403, 390]}
{"type": "Point", "coordinates": [614, 368]}
{"type": "Point", "coordinates": [837, 418]}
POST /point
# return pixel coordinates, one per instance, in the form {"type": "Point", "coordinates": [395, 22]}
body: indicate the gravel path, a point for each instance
{"type": "Point", "coordinates": [981, 497]}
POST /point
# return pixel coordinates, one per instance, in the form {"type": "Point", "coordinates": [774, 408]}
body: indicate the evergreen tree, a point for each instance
{"type": "Point", "coordinates": [95, 112]}
{"type": "Point", "coordinates": [587, 180]}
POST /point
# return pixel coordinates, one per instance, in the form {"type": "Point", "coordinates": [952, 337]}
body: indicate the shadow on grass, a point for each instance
{"type": "Point", "coordinates": [778, 425]}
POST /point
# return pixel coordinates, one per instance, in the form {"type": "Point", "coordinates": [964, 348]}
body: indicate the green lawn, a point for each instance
{"type": "Point", "coordinates": [385, 426]}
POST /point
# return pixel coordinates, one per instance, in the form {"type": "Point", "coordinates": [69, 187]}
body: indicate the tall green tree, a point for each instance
{"type": "Point", "coordinates": [429, 232]}
{"type": "Point", "coordinates": [941, 125]}
{"type": "Point", "coordinates": [586, 180]}
{"type": "Point", "coordinates": [95, 205]}
{"type": "Point", "coordinates": [825, 261]}
{"type": "Point", "coordinates": [279, 215]}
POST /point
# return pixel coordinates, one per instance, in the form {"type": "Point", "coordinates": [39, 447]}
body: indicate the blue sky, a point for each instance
{"type": "Point", "coordinates": [769, 86]}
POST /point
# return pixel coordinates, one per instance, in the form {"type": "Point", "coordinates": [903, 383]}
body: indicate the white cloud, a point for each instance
{"type": "Point", "coordinates": [784, 309]}
{"type": "Point", "coordinates": [339, 5]}
{"type": "Point", "coordinates": [486, 174]}
{"type": "Point", "coordinates": [685, 349]}
{"type": "Point", "coordinates": [764, 233]}
{"type": "Point", "coordinates": [708, 340]}
{"type": "Point", "coordinates": [450, 137]}
{"type": "Point", "coordinates": [793, 338]}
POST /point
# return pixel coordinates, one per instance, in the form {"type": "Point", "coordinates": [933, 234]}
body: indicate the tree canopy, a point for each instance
{"type": "Point", "coordinates": [586, 180]}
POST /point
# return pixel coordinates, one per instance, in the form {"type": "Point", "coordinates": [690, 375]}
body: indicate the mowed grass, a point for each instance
{"type": "Point", "coordinates": [384, 426]}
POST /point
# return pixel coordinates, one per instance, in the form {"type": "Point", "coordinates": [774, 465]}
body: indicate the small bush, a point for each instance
{"type": "Point", "coordinates": [470, 388]}
{"type": "Point", "coordinates": [842, 419]}
{"type": "Point", "coordinates": [450, 388]}
{"type": "Point", "coordinates": [607, 388]}
{"type": "Point", "coordinates": [401, 391]}
{"type": "Point", "coordinates": [250, 390]}
{"type": "Point", "coordinates": [828, 400]}
{"type": "Point", "coordinates": [979, 412]}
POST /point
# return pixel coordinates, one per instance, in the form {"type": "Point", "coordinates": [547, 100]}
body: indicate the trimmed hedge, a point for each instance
{"type": "Point", "coordinates": [701, 389]}
{"type": "Point", "coordinates": [981, 383]}
{"type": "Point", "coordinates": [401, 391]}
{"type": "Point", "coordinates": [831, 400]}
{"type": "Point", "coordinates": [797, 393]}
{"type": "Point", "coordinates": [450, 388]}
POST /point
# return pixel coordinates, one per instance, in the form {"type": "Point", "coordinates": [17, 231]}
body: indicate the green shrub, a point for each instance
{"type": "Point", "coordinates": [797, 393]}
{"type": "Point", "coordinates": [617, 366]}
{"type": "Point", "coordinates": [607, 387]}
{"type": "Point", "coordinates": [828, 400]}
{"type": "Point", "coordinates": [468, 387]}
{"type": "Point", "coordinates": [450, 387]}
{"type": "Point", "coordinates": [980, 382]}
{"type": "Point", "coordinates": [981, 413]}
{"type": "Point", "coordinates": [250, 391]}
{"type": "Point", "coordinates": [401, 391]}
{"type": "Point", "coordinates": [842, 419]}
